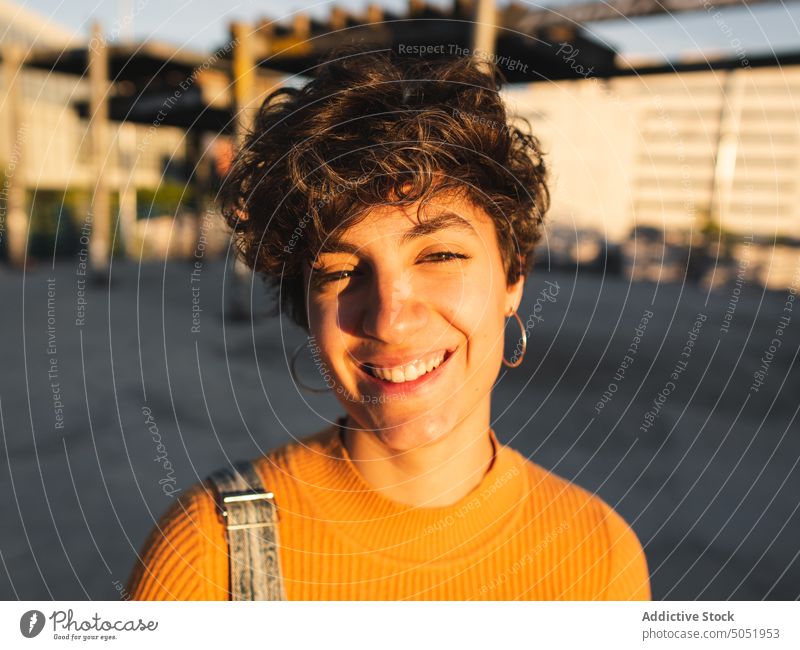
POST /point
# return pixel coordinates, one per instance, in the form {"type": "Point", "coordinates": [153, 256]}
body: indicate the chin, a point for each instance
{"type": "Point", "coordinates": [408, 431]}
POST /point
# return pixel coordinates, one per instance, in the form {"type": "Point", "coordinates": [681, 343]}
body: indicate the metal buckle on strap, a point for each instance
{"type": "Point", "coordinates": [245, 497]}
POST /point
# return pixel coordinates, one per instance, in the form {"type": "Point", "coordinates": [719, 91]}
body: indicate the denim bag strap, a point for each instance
{"type": "Point", "coordinates": [251, 523]}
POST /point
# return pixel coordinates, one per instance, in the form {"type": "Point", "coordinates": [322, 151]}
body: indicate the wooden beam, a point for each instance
{"type": "Point", "coordinates": [484, 28]}
{"type": "Point", "coordinates": [301, 26]}
{"type": "Point", "coordinates": [337, 19]}
{"type": "Point", "coordinates": [243, 70]}
{"type": "Point", "coordinates": [416, 7]}
{"type": "Point", "coordinates": [126, 141]}
{"type": "Point", "coordinates": [13, 212]}
{"type": "Point", "coordinates": [100, 241]}
{"type": "Point", "coordinates": [614, 10]}
{"type": "Point", "coordinates": [374, 14]}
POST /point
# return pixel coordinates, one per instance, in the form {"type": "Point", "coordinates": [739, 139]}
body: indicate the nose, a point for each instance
{"type": "Point", "coordinates": [394, 312]}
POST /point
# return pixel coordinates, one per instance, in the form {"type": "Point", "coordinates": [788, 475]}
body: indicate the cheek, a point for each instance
{"type": "Point", "coordinates": [478, 315]}
{"type": "Point", "coordinates": [488, 324]}
{"type": "Point", "coordinates": [487, 338]}
{"type": "Point", "coordinates": [477, 297]}
{"type": "Point", "coordinates": [324, 328]}
{"type": "Point", "coordinates": [322, 313]}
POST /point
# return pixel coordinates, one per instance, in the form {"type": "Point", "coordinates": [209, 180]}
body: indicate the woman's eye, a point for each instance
{"type": "Point", "coordinates": [333, 276]}
{"type": "Point", "coordinates": [445, 256]}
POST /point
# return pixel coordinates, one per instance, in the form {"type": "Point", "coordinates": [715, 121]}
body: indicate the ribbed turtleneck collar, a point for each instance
{"type": "Point", "coordinates": [374, 524]}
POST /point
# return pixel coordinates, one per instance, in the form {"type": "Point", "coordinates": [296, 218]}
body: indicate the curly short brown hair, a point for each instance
{"type": "Point", "coordinates": [371, 128]}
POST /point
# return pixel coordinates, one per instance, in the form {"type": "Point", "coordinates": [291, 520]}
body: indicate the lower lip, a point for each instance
{"type": "Point", "coordinates": [398, 388]}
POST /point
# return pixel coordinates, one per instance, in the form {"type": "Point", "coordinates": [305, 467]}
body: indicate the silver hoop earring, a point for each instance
{"type": "Point", "coordinates": [524, 343]}
{"type": "Point", "coordinates": [293, 372]}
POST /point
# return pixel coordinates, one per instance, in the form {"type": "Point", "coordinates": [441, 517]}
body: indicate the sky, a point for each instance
{"type": "Point", "coordinates": [202, 25]}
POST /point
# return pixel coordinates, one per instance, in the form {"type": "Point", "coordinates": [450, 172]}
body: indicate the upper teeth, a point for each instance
{"type": "Point", "coordinates": [409, 371]}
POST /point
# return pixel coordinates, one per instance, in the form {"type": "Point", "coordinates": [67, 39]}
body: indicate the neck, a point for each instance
{"type": "Point", "coordinates": [434, 475]}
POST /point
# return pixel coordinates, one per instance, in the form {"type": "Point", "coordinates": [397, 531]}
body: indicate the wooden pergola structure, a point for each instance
{"type": "Point", "coordinates": [131, 82]}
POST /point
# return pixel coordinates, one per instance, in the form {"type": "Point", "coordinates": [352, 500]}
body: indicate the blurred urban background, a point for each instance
{"type": "Point", "coordinates": [673, 134]}
{"type": "Point", "coordinates": [662, 168]}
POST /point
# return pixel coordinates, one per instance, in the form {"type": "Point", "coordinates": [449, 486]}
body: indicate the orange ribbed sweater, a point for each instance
{"type": "Point", "coordinates": [521, 534]}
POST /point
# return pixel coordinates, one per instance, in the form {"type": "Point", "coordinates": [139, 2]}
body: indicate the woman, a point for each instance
{"type": "Point", "coordinates": [396, 211]}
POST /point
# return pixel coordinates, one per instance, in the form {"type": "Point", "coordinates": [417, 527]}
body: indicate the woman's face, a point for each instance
{"type": "Point", "coordinates": [409, 316]}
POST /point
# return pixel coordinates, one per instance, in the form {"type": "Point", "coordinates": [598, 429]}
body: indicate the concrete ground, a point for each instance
{"type": "Point", "coordinates": [712, 486]}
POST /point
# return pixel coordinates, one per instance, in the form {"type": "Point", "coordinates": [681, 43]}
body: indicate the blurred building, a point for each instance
{"type": "Point", "coordinates": [137, 146]}
{"type": "Point", "coordinates": [662, 173]}
{"type": "Point", "coordinates": [658, 164]}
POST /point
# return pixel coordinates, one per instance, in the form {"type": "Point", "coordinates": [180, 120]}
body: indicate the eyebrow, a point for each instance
{"type": "Point", "coordinates": [441, 221]}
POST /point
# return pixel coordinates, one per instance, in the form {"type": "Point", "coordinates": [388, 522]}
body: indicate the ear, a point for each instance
{"type": "Point", "coordinates": [514, 295]}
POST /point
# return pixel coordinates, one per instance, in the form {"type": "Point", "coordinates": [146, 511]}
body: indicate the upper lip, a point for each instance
{"type": "Point", "coordinates": [400, 360]}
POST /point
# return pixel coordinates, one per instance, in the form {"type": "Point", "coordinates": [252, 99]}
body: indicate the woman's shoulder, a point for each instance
{"type": "Point", "coordinates": [184, 557]}
{"type": "Point", "coordinates": [280, 468]}
{"type": "Point", "coordinates": [551, 489]}
{"type": "Point", "coordinates": [591, 528]}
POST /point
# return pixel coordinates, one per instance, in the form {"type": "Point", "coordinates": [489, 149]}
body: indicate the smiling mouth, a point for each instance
{"type": "Point", "coordinates": [408, 372]}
